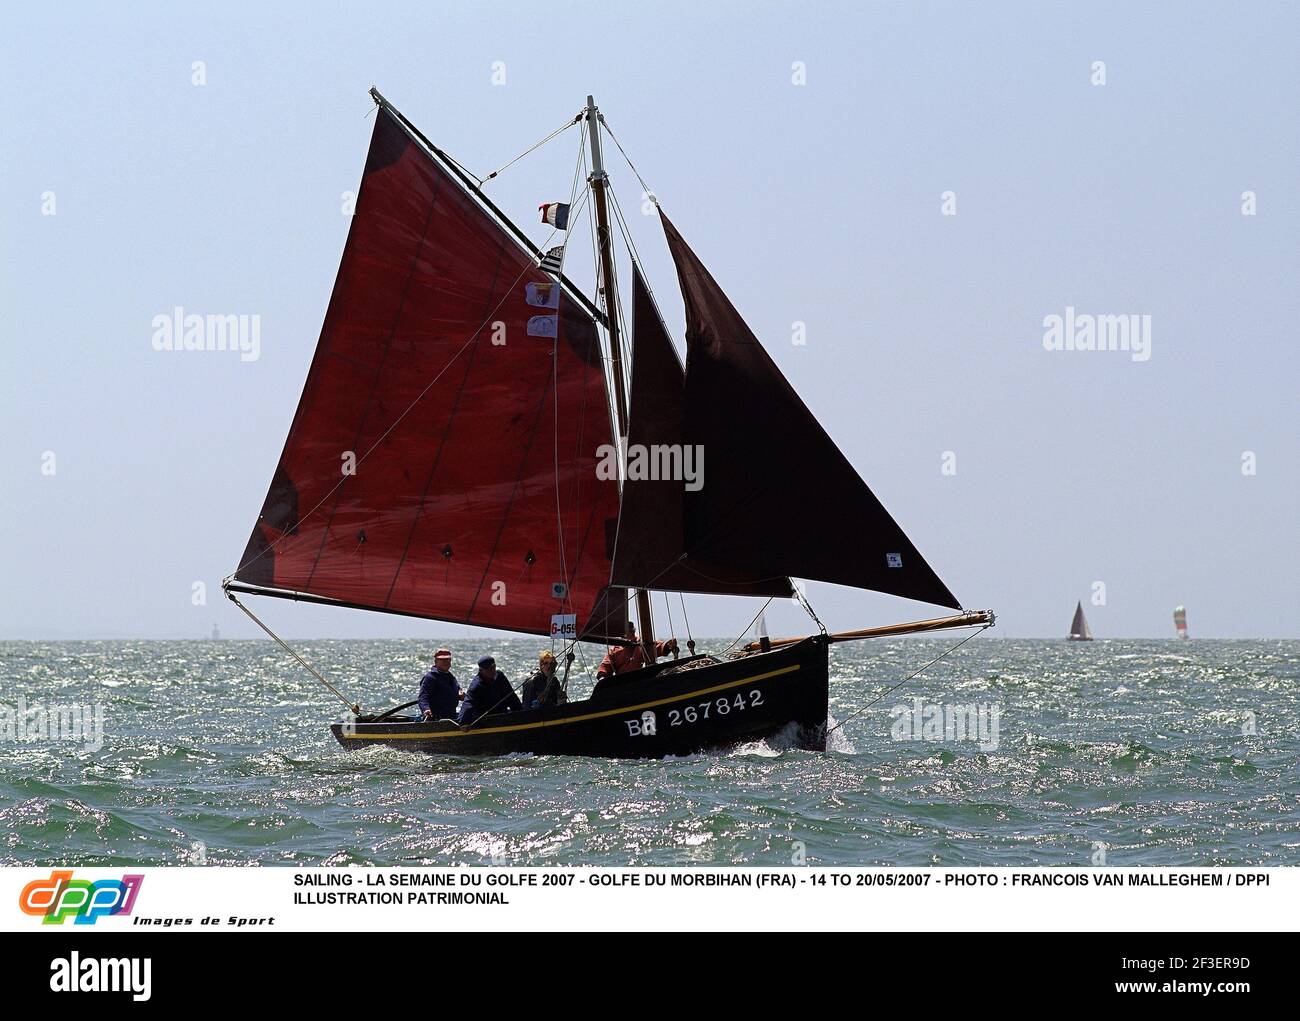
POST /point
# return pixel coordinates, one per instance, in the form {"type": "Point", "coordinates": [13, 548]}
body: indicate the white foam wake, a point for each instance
{"type": "Point", "coordinates": [836, 740]}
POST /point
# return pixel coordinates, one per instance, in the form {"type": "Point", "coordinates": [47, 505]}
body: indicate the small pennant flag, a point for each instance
{"type": "Point", "coordinates": [553, 260]}
{"type": "Point", "coordinates": [543, 326]}
{"type": "Point", "coordinates": [556, 214]}
{"type": "Point", "coordinates": [542, 295]}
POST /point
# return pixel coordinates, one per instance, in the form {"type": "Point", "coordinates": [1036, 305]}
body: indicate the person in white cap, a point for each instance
{"type": "Point", "coordinates": [439, 691]}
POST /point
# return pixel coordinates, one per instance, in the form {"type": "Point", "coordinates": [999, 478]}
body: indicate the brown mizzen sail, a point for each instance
{"type": "Point", "coordinates": [651, 551]}
{"type": "Point", "coordinates": [779, 499]}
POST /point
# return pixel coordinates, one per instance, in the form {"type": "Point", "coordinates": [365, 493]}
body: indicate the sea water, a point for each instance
{"type": "Point", "coordinates": [1110, 752]}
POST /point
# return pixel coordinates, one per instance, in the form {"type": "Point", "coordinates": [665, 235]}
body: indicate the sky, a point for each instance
{"type": "Point", "coordinates": [922, 185]}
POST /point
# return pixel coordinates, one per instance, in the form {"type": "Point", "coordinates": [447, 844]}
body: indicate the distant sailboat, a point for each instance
{"type": "Point", "coordinates": [1180, 620]}
{"type": "Point", "coordinates": [1079, 630]}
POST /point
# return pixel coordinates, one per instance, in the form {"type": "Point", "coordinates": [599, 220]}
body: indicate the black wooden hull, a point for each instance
{"type": "Point", "coordinates": [646, 714]}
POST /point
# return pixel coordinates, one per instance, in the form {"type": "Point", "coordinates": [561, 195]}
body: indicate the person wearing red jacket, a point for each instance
{"type": "Point", "coordinates": [622, 659]}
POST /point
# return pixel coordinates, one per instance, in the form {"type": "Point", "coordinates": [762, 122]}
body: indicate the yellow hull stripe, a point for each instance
{"type": "Point", "coordinates": [465, 732]}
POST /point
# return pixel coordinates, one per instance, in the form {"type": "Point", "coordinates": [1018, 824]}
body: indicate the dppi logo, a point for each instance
{"type": "Point", "coordinates": [86, 901]}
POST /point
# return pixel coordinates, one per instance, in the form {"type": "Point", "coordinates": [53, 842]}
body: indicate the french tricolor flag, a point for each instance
{"type": "Point", "coordinates": [556, 214]}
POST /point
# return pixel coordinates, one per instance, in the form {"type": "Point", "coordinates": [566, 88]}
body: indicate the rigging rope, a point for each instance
{"type": "Point", "coordinates": [802, 600]}
{"type": "Point", "coordinates": [354, 706]}
{"type": "Point", "coordinates": [633, 254]}
{"type": "Point", "coordinates": [645, 188]}
{"type": "Point", "coordinates": [690, 638]}
{"type": "Point", "coordinates": [749, 625]}
{"type": "Point", "coordinates": [946, 653]}
{"type": "Point", "coordinates": [536, 145]}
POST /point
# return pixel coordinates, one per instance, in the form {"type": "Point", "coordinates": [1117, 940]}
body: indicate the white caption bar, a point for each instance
{"type": "Point", "coordinates": [198, 899]}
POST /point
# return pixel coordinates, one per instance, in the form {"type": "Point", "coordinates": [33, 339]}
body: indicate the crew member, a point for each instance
{"type": "Point", "coordinates": [543, 688]}
{"type": "Point", "coordinates": [490, 692]}
{"type": "Point", "coordinates": [439, 691]}
{"type": "Point", "coordinates": [622, 659]}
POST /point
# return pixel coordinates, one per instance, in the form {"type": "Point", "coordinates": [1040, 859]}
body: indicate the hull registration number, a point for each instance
{"type": "Point", "coordinates": [647, 724]}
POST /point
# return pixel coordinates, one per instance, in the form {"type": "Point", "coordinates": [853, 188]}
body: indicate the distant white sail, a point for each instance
{"type": "Point", "coordinates": [1079, 630]}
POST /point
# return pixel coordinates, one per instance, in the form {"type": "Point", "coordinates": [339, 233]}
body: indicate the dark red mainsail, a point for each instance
{"type": "Point", "coordinates": [779, 498]}
{"type": "Point", "coordinates": [473, 411]}
{"type": "Point", "coordinates": [651, 551]}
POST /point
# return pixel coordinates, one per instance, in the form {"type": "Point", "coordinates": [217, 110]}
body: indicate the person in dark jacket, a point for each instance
{"type": "Point", "coordinates": [543, 688]}
{"type": "Point", "coordinates": [490, 692]}
{"type": "Point", "coordinates": [439, 691]}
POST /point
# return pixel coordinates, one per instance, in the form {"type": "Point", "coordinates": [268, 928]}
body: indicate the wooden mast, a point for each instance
{"type": "Point", "coordinates": [609, 289]}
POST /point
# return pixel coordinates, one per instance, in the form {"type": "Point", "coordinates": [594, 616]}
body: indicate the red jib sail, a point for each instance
{"type": "Point", "coordinates": [442, 462]}
{"type": "Point", "coordinates": [779, 498]}
{"type": "Point", "coordinates": [652, 550]}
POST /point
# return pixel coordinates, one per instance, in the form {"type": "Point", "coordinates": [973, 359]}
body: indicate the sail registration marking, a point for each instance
{"type": "Point", "coordinates": [576, 719]}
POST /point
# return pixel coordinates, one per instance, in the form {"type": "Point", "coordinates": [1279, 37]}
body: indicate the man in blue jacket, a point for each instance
{"type": "Point", "coordinates": [439, 691]}
{"type": "Point", "coordinates": [490, 692]}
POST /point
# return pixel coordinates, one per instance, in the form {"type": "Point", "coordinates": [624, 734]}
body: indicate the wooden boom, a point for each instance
{"type": "Point", "coordinates": [971, 618]}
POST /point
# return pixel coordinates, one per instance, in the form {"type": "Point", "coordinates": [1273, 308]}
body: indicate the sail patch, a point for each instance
{"type": "Point", "coordinates": [543, 326]}
{"type": "Point", "coordinates": [542, 295]}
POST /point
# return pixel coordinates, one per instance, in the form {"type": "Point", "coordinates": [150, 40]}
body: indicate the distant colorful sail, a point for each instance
{"type": "Point", "coordinates": [1180, 620]}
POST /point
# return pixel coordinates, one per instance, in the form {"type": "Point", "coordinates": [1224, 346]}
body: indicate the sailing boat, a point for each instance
{"type": "Point", "coordinates": [1079, 630]}
{"type": "Point", "coordinates": [444, 463]}
{"type": "Point", "coordinates": [1180, 620]}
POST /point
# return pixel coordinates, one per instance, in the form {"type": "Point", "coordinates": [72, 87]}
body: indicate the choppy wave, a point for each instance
{"type": "Point", "coordinates": [218, 752]}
